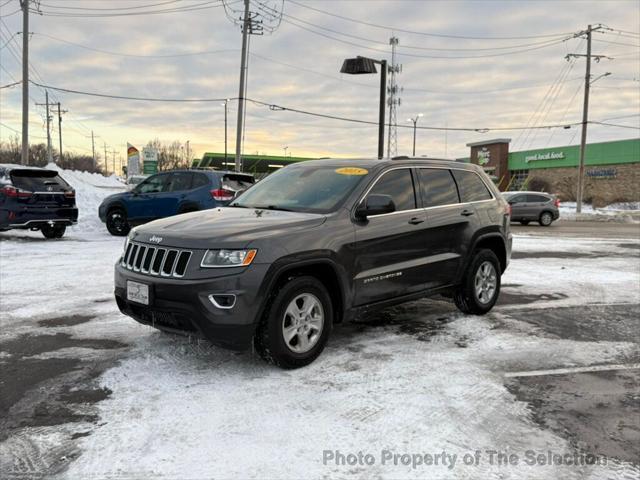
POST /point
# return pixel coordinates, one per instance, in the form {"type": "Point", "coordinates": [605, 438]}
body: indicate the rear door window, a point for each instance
{"type": "Point", "coordinates": [471, 186]}
{"type": "Point", "coordinates": [398, 184]}
{"type": "Point", "coordinates": [518, 199]}
{"type": "Point", "coordinates": [237, 182]}
{"type": "Point", "coordinates": [537, 199]}
{"type": "Point", "coordinates": [179, 181]}
{"type": "Point", "coordinates": [199, 180]}
{"type": "Point", "coordinates": [437, 187]}
{"type": "Point", "coordinates": [38, 180]}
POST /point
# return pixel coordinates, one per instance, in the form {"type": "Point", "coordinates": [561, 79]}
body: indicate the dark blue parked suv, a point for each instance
{"type": "Point", "coordinates": [36, 199]}
{"type": "Point", "coordinates": [170, 193]}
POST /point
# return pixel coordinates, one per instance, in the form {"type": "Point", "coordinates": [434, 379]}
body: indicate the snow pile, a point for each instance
{"type": "Point", "coordinates": [91, 189]}
{"type": "Point", "coordinates": [616, 212]}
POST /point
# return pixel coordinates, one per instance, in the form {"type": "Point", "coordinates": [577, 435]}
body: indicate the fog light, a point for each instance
{"type": "Point", "coordinates": [223, 300]}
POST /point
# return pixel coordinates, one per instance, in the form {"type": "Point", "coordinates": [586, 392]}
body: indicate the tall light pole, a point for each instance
{"type": "Point", "coordinates": [285, 151]}
{"type": "Point", "coordinates": [415, 127]}
{"type": "Point", "coordinates": [363, 65]}
{"type": "Point", "coordinates": [226, 112]}
{"type": "Point", "coordinates": [25, 81]}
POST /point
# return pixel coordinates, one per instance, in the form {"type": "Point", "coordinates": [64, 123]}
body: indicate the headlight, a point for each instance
{"type": "Point", "coordinates": [228, 258]}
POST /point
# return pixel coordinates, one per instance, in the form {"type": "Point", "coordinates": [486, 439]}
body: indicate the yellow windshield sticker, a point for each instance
{"type": "Point", "coordinates": [352, 171]}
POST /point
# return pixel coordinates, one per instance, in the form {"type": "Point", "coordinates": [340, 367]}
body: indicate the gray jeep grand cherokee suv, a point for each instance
{"type": "Point", "coordinates": [316, 243]}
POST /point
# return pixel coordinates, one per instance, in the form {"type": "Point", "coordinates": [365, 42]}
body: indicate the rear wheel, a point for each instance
{"type": "Point", "coordinates": [117, 222]}
{"type": "Point", "coordinates": [524, 222]}
{"type": "Point", "coordinates": [295, 328]}
{"type": "Point", "coordinates": [53, 231]}
{"type": "Point", "coordinates": [480, 286]}
{"type": "Point", "coordinates": [545, 219]}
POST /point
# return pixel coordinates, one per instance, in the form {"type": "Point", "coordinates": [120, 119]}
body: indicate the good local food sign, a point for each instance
{"type": "Point", "coordinates": [544, 156]}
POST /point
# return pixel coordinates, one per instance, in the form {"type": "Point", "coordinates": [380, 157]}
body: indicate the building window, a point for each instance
{"type": "Point", "coordinates": [518, 179]}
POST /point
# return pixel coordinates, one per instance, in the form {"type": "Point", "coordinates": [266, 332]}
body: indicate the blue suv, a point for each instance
{"type": "Point", "coordinates": [33, 198]}
{"type": "Point", "coordinates": [171, 193]}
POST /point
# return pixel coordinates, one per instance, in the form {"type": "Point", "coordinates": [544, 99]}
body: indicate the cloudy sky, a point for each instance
{"type": "Point", "coordinates": [465, 64]}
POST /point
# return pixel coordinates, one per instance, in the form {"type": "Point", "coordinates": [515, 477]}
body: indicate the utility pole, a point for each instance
{"type": "Point", "coordinates": [113, 153]}
{"type": "Point", "coordinates": [415, 127]}
{"type": "Point", "coordinates": [241, 90]}
{"type": "Point", "coordinates": [49, 154]}
{"type": "Point", "coordinates": [25, 81]}
{"type": "Point", "coordinates": [585, 109]}
{"type": "Point", "coordinates": [93, 149]}
{"type": "Point", "coordinates": [106, 159]}
{"type": "Point", "coordinates": [60, 112]}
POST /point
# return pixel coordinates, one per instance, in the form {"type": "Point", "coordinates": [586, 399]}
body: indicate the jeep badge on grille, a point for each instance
{"type": "Point", "coordinates": [155, 239]}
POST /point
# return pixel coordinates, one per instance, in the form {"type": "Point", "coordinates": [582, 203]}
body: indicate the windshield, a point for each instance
{"type": "Point", "coordinates": [316, 189]}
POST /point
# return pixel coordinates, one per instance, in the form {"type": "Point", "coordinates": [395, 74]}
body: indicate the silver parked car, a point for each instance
{"type": "Point", "coordinates": [533, 207]}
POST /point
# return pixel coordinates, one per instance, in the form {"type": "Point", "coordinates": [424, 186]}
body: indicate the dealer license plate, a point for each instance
{"type": "Point", "coordinates": [138, 292]}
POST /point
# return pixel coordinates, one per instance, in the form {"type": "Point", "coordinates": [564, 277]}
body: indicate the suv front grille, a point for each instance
{"type": "Point", "coordinates": [158, 261]}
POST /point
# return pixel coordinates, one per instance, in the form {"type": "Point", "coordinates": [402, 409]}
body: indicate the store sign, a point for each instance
{"type": "Point", "coordinates": [484, 156]}
{"type": "Point", "coordinates": [150, 163]}
{"type": "Point", "coordinates": [544, 156]}
{"type": "Point", "coordinates": [602, 173]}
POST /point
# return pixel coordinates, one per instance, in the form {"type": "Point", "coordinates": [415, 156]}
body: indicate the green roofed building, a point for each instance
{"type": "Point", "coordinates": [612, 169]}
{"type": "Point", "coordinates": [256, 164]}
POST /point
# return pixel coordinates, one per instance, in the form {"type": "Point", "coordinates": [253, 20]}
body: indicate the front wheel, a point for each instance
{"type": "Point", "coordinates": [295, 329]}
{"type": "Point", "coordinates": [545, 219]}
{"type": "Point", "coordinates": [480, 286]}
{"type": "Point", "coordinates": [117, 223]}
{"type": "Point", "coordinates": [53, 231]}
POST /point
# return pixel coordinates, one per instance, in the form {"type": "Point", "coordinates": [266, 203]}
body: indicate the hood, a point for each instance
{"type": "Point", "coordinates": [225, 227]}
{"type": "Point", "coordinates": [115, 196]}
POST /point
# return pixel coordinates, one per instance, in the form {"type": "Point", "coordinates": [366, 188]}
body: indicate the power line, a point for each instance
{"type": "Point", "coordinates": [414, 55]}
{"type": "Point", "coordinates": [428, 34]}
{"type": "Point", "coordinates": [615, 125]}
{"type": "Point", "coordinates": [410, 47]}
{"type": "Point", "coordinates": [111, 9]}
{"type": "Point", "coordinates": [191, 8]}
{"type": "Point", "coordinates": [296, 67]}
{"type": "Point", "coordinates": [11, 84]}
{"type": "Point", "coordinates": [276, 107]}
{"type": "Point", "coordinates": [125, 97]}
{"type": "Point", "coordinates": [133, 55]}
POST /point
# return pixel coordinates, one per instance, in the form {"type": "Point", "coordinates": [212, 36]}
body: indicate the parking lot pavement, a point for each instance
{"type": "Point", "coordinates": [549, 380]}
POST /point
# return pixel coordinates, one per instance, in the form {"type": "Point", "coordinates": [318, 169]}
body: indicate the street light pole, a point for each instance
{"type": "Point", "coordinates": [415, 127]}
{"type": "Point", "coordinates": [363, 65]}
{"type": "Point", "coordinates": [226, 103]}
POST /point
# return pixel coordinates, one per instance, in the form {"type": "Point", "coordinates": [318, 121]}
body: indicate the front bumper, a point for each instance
{"type": "Point", "coordinates": [38, 217]}
{"type": "Point", "coordinates": [183, 306]}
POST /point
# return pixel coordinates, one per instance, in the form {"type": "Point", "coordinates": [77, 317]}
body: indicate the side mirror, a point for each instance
{"type": "Point", "coordinates": [375, 205]}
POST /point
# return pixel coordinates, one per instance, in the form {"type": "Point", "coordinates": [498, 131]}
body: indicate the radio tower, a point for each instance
{"type": "Point", "coordinates": [394, 100]}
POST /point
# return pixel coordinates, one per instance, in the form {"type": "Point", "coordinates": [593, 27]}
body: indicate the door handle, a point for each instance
{"type": "Point", "coordinates": [467, 213]}
{"type": "Point", "coordinates": [416, 220]}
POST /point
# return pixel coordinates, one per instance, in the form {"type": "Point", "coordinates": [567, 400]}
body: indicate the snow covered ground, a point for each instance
{"type": "Point", "coordinates": [622, 212]}
{"type": "Point", "coordinates": [416, 379]}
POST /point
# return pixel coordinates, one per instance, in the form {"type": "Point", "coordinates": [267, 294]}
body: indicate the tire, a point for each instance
{"type": "Point", "coordinates": [53, 231]}
{"type": "Point", "coordinates": [270, 340]}
{"type": "Point", "coordinates": [545, 219]}
{"type": "Point", "coordinates": [524, 222]}
{"type": "Point", "coordinates": [466, 297]}
{"type": "Point", "coordinates": [117, 222]}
